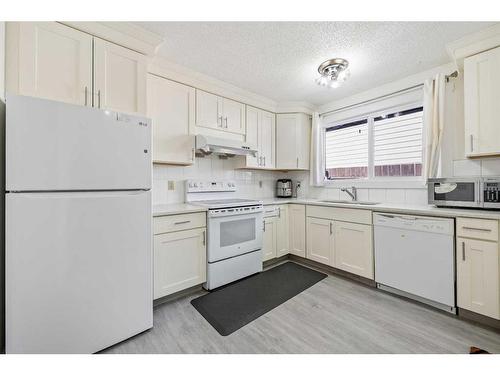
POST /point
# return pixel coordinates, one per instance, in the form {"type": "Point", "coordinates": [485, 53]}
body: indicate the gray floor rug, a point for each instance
{"type": "Point", "coordinates": [233, 306]}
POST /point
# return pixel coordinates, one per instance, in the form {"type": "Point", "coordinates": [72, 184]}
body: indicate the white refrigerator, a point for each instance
{"type": "Point", "coordinates": [78, 227]}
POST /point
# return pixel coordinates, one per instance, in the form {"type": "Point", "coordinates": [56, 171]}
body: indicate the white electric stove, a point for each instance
{"type": "Point", "coordinates": [234, 231]}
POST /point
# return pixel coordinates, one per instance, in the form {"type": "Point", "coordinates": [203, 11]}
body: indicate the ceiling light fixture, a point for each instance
{"type": "Point", "coordinates": [333, 72]}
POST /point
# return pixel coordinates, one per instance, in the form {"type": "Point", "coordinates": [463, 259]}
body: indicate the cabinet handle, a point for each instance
{"type": "Point", "coordinates": [225, 120]}
{"type": "Point", "coordinates": [471, 142]}
{"type": "Point", "coordinates": [182, 222]}
{"type": "Point", "coordinates": [463, 251]}
{"type": "Point", "coordinates": [264, 164]}
{"type": "Point", "coordinates": [219, 119]}
{"type": "Point", "coordinates": [98, 98]}
{"type": "Point", "coordinates": [478, 229]}
{"type": "Point", "coordinates": [264, 225]}
{"type": "Point", "coordinates": [331, 227]}
{"type": "Point", "coordinates": [204, 239]}
{"type": "Point", "coordinates": [279, 212]}
{"type": "Point", "coordinates": [297, 162]}
{"type": "Point", "coordinates": [260, 161]}
{"type": "Point", "coordinates": [86, 93]}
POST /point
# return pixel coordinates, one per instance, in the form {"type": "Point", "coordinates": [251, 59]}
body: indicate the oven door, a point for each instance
{"type": "Point", "coordinates": [233, 235]}
{"type": "Point", "coordinates": [460, 192]}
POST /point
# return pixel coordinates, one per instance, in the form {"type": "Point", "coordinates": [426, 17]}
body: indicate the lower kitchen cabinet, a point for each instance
{"type": "Point", "coordinates": [320, 240]}
{"type": "Point", "coordinates": [297, 218]}
{"type": "Point", "coordinates": [353, 247]}
{"type": "Point", "coordinates": [478, 276]}
{"type": "Point", "coordinates": [269, 238]}
{"type": "Point", "coordinates": [282, 232]}
{"type": "Point", "coordinates": [179, 261]}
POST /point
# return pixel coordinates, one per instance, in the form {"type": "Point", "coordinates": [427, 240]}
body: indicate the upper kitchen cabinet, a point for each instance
{"type": "Point", "coordinates": [54, 61]}
{"type": "Point", "coordinates": [481, 93]}
{"type": "Point", "coordinates": [171, 106]}
{"type": "Point", "coordinates": [119, 78]}
{"type": "Point", "coordinates": [49, 60]}
{"type": "Point", "coordinates": [293, 135]}
{"type": "Point", "coordinates": [219, 113]}
{"type": "Point", "coordinates": [261, 134]}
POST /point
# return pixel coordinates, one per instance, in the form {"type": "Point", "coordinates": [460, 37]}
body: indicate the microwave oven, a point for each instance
{"type": "Point", "coordinates": [464, 192]}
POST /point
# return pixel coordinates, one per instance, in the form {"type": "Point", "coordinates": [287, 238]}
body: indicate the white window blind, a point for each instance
{"type": "Point", "coordinates": [346, 150]}
{"type": "Point", "coordinates": [397, 143]}
{"type": "Point", "coordinates": [396, 137]}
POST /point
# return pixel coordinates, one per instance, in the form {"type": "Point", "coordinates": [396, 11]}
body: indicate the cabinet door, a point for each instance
{"type": "Point", "coordinates": [252, 136]}
{"type": "Point", "coordinates": [269, 239]}
{"type": "Point", "coordinates": [233, 116]}
{"type": "Point", "coordinates": [267, 138]}
{"type": "Point", "coordinates": [286, 140]}
{"type": "Point", "coordinates": [481, 109]}
{"type": "Point", "coordinates": [55, 62]}
{"type": "Point", "coordinates": [297, 217]}
{"type": "Point", "coordinates": [282, 232]}
{"type": "Point", "coordinates": [303, 141]}
{"type": "Point", "coordinates": [208, 111]}
{"type": "Point", "coordinates": [353, 248]}
{"type": "Point", "coordinates": [477, 277]}
{"type": "Point", "coordinates": [171, 107]}
{"type": "Point", "coordinates": [179, 261]}
{"type": "Point", "coordinates": [320, 240]}
{"type": "Point", "coordinates": [119, 78]}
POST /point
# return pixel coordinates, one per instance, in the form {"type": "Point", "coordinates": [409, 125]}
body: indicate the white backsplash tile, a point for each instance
{"type": "Point", "coordinates": [261, 184]}
{"type": "Point", "coordinates": [466, 168]}
{"type": "Point", "coordinates": [490, 167]}
{"type": "Point", "coordinates": [416, 196]}
{"type": "Point", "coordinates": [377, 195]}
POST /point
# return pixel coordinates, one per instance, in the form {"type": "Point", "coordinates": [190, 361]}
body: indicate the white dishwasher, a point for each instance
{"type": "Point", "coordinates": [415, 257]}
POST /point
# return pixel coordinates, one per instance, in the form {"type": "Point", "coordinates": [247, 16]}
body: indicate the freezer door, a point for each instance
{"type": "Point", "coordinates": [78, 270]}
{"type": "Point", "coordinates": [59, 146]}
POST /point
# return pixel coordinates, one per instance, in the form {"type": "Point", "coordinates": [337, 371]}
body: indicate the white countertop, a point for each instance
{"type": "Point", "coordinates": [402, 208]}
{"type": "Point", "coordinates": [176, 208]}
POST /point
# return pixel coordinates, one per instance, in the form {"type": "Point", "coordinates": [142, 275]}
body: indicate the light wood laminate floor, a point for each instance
{"type": "Point", "coordinates": [333, 316]}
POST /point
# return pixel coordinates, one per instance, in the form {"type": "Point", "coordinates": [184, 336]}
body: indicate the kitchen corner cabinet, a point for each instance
{"type": "Point", "coordinates": [297, 218]}
{"type": "Point", "coordinates": [293, 138]}
{"type": "Point", "coordinates": [219, 113]}
{"type": "Point", "coordinates": [282, 232]}
{"type": "Point", "coordinates": [481, 109]}
{"type": "Point", "coordinates": [261, 134]}
{"type": "Point", "coordinates": [320, 240]}
{"type": "Point", "coordinates": [53, 61]}
{"type": "Point", "coordinates": [353, 247]}
{"type": "Point", "coordinates": [269, 238]}
{"type": "Point", "coordinates": [171, 107]}
{"type": "Point", "coordinates": [477, 277]}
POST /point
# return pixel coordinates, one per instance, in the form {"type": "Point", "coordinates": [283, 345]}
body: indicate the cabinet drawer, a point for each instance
{"type": "Point", "coordinates": [165, 224]}
{"type": "Point", "coordinates": [477, 228]}
{"type": "Point", "coordinates": [352, 215]}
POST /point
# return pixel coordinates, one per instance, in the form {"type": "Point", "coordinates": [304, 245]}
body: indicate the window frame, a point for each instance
{"type": "Point", "coordinates": [372, 180]}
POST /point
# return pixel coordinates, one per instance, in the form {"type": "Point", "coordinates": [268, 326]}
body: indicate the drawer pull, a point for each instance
{"type": "Point", "coordinates": [463, 251]}
{"type": "Point", "coordinates": [478, 229]}
{"type": "Point", "coordinates": [331, 227]}
{"type": "Point", "coordinates": [204, 239]}
{"type": "Point", "coordinates": [182, 222]}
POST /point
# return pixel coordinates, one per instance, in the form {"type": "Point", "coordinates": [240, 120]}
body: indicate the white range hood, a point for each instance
{"type": "Point", "coordinates": [206, 145]}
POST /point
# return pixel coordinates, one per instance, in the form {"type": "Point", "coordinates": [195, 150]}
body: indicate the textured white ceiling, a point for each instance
{"type": "Point", "coordinates": [279, 59]}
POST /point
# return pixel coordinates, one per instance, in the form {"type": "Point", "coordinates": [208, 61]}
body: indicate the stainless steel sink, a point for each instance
{"type": "Point", "coordinates": [362, 203]}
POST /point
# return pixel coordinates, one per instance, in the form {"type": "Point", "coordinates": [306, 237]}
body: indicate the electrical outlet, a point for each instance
{"type": "Point", "coordinates": [171, 185]}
